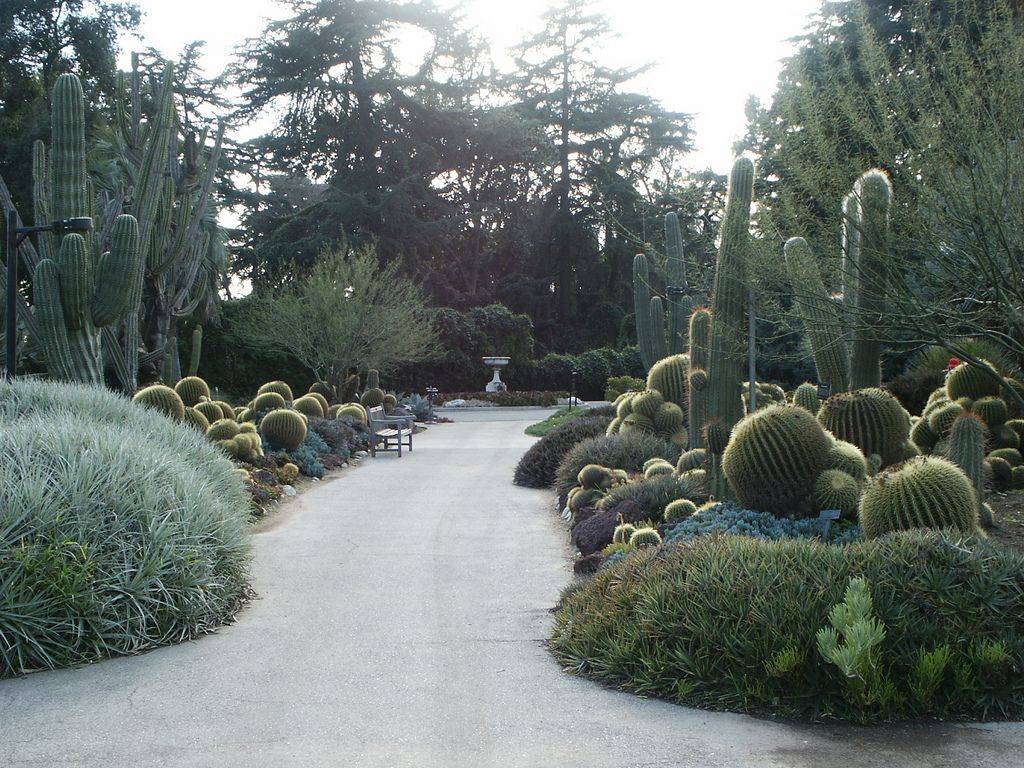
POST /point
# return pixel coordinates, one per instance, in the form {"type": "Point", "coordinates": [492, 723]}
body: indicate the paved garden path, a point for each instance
{"type": "Point", "coordinates": [400, 621]}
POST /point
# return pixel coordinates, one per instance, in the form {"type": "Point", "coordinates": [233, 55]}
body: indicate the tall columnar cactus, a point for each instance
{"type": "Point", "coordinates": [679, 305]}
{"type": "Point", "coordinates": [77, 295]}
{"type": "Point", "coordinates": [660, 332]}
{"type": "Point", "coordinates": [872, 419]}
{"type": "Point", "coordinates": [820, 314]}
{"type": "Point", "coordinates": [775, 457]}
{"type": "Point", "coordinates": [967, 450]}
{"type": "Point", "coordinates": [172, 178]}
{"type": "Point", "coordinates": [197, 351]}
{"type": "Point", "coordinates": [727, 349]}
{"type": "Point", "coordinates": [373, 379]}
{"type": "Point", "coordinates": [874, 195]}
{"type": "Point", "coordinates": [700, 332]}
{"type": "Point", "coordinates": [850, 258]}
{"type": "Point", "coordinates": [926, 492]}
{"type": "Point", "coordinates": [642, 308]}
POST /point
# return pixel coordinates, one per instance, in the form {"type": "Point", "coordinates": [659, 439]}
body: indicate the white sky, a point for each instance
{"type": "Point", "coordinates": [708, 55]}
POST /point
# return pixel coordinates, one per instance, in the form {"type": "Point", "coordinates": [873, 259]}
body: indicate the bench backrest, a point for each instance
{"type": "Point", "coordinates": [376, 415]}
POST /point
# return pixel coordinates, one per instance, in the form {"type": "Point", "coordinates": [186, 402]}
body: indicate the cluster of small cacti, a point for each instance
{"type": "Point", "coordinates": [648, 411]}
{"type": "Point", "coordinates": [765, 395]}
{"type": "Point", "coordinates": [594, 483]}
{"type": "Point", "coordinates": [985, 395]}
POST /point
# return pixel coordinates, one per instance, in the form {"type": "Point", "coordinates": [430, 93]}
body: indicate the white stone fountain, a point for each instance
{"type": "Point", "coordinates": [497, 363]}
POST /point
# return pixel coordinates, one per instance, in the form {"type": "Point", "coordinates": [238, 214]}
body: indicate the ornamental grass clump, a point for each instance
{"type": "Point", "coordinates": [120, 530]}
{"type": "Point", "coordinates": [536, 469]}
{"type": "Point", "coordinates": [732, 622]}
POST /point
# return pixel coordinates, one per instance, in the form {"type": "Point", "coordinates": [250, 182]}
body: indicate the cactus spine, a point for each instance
{"type": "Point", "coordinates": [700, 331]}
{"type": "Point", "coordinates": [820, 315]}
{"type": "Point", "coordinates": [728, 331]}
{"type": "Point", "coordinates": [874, 195]}
{"type": "Point", "coordinates": [77, 295]}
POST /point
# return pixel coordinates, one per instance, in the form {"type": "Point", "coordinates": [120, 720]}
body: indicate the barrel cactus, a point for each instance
{"type": "Point", "coordinates": [872, 419]}
{"type": "Point", "coordinates": [390, 402]}
{"type": "Point", "coordinates": [992, 410]}
{"type": "Point", "coordinates": [283, 428]}
{"type": "Point", "coordinates": [324, 405]}
{"type": "Point", "coordinates": [1004, 436]}
{"type": "Point", "coordinates": [669, 377]}
{"type": "Point", "coordinates": [774, 458]}
{"type": "Point", "coordinates": [280, 387]}
{"type": "Point", "coordinates": [922, 435]}
{"type": "Point", "coordinates": [695, 458]}
{"type": "Point", "coordinates": [940, 421]}
{"type": "Point", "coordinates": [806, 396]}
{"type": "Point", "coordinates": [848, 458]}
{"type": "Point", "coordinates": [224, 429]}
{"type": "Point", "coordinates": [834, 489]}
{"type": "Point", "coordinates": [622, 533]}
{"type": "Point", "coordinates": [309, 406]}
{"type": "Point", "coordinates": [646, 404]}
{"type": "Point", "coordinates": [373, 397]}
{"type": "Point", "coordinates": [657, 468]}
{"type": "Point", "coordinates": [196, 420]}
{"type": "Point", "coordinates": [642, 538]}
{"type": "Point", "coordinates": [1012, 455]}
{"type": "Point", "coordinates": [210, 410]}
{"type": "Point", "coordinates": [668, 419]}
{"type": "Point", "coordinates": [325, 390]}
{"type": "Point", "coordinates": [594, 476]}
{"type": "Point", "coordinates": [161, 398]}
{"type": "Point", "coordinates": [926, 492]}
{"type": "Point", "coordinates": [268, 400]}
{"type": "Point", "coordinates": [192, 390]}
{"type": "Point", "coordinates": [968, 380]}
{"type": "Point", "coordinates": [353, 411]}
{"type": "Point", "coordinates": [679, 510]}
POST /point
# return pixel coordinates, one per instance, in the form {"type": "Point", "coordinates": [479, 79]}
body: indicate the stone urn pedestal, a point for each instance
{"type": "Point", "coordinates": [497, 363]}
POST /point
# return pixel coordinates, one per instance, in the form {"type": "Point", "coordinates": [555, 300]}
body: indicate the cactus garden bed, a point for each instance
{"type": "Point", "coordinates": [767, 551]}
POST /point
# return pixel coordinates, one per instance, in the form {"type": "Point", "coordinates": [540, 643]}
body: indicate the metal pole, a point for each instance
{"type": "Point", "coordinates": [751, 350]}
{"type": "Point", "coordinates": [11, 307]}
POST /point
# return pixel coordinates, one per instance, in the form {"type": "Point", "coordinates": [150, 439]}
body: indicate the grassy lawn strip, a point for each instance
{"type": "Point", "coordinates": [557, 419]}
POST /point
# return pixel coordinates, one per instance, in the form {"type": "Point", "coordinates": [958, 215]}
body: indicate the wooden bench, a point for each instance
{"type": "Point", "coordinates": [389, 433]}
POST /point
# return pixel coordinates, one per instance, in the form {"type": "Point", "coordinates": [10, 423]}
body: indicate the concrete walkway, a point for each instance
{"type": "Point", "coordinates": [401, 617]}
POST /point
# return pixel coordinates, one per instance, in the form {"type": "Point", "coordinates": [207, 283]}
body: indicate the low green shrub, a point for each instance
{"type": "Point", "coordinates": [536, 469]}
{"type": "Point", "coordinates": [618, 385]}
{"type": "Point", "coordinates": [730, 622]}
{"type": "Point", "coordinates": [120, 530]}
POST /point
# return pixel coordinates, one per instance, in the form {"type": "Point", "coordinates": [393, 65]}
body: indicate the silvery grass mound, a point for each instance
{"type": "Point", "coordinates": [120, 530]}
